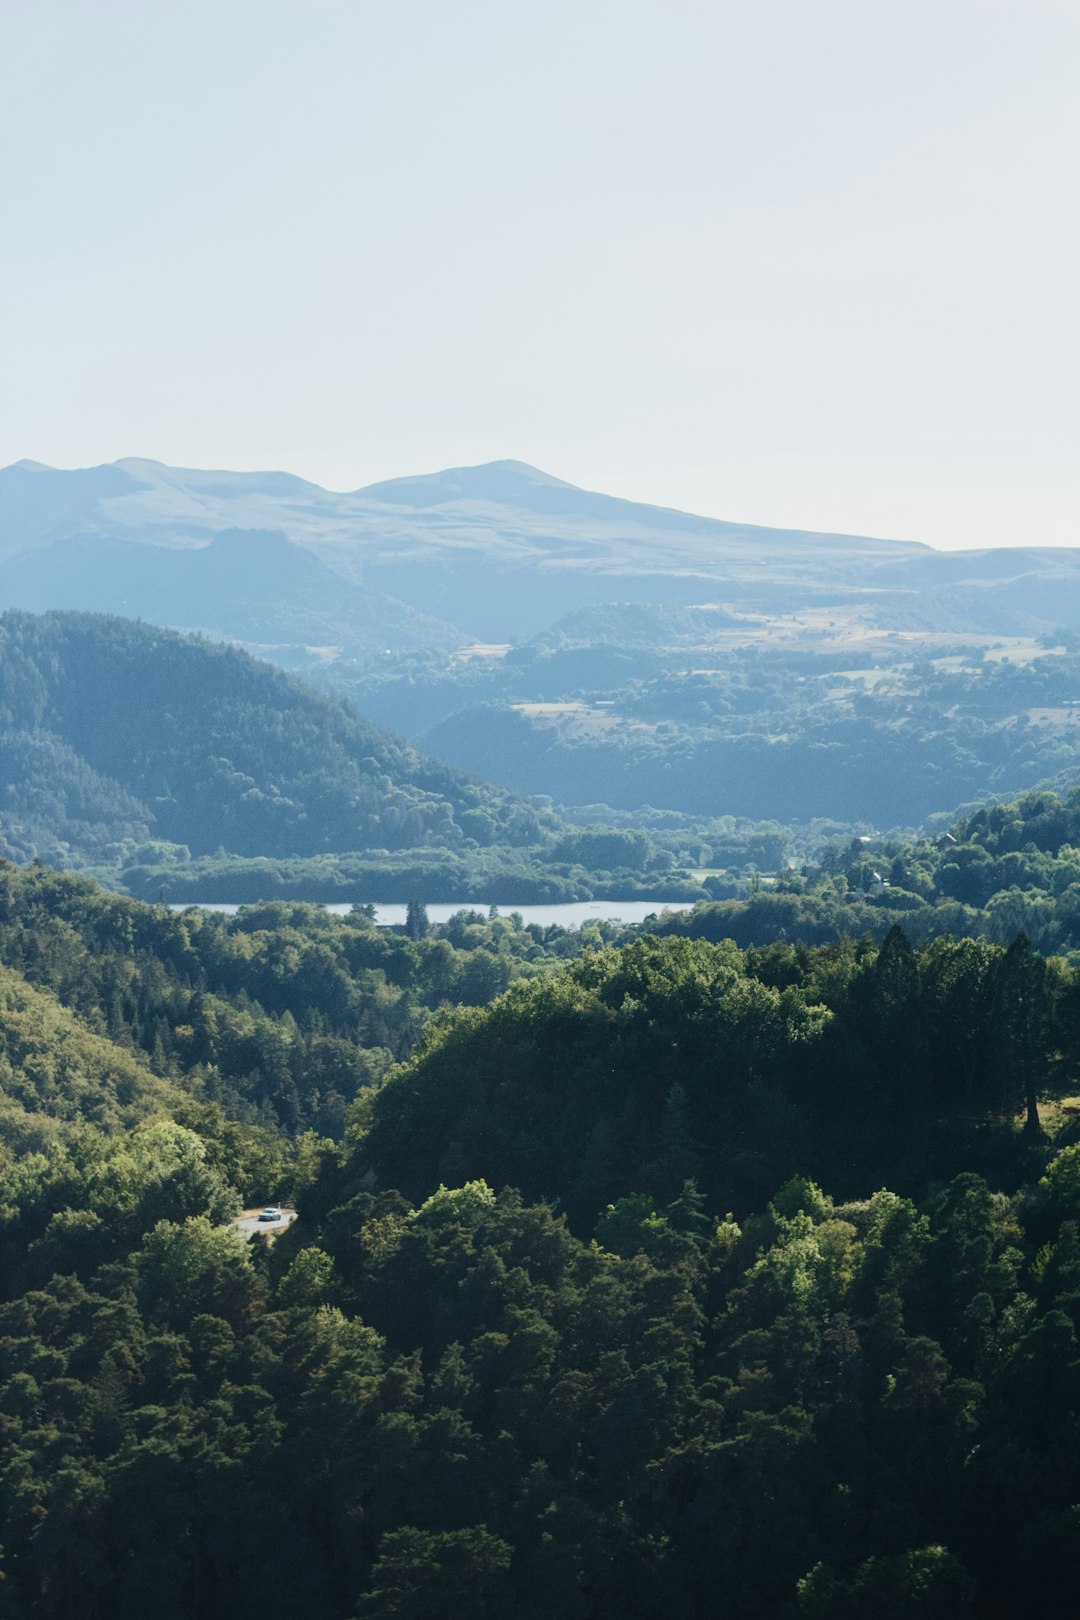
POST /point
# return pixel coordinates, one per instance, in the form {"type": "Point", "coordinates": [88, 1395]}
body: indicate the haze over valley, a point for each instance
{"type": "Point", "coordinates": [588, 649]}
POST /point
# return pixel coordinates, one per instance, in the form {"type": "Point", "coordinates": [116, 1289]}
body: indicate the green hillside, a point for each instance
{"type": "Point", "coordinates": [115, 731]}
{"type": "Point", "coordinates": [279, 1015]}
{"type": "Point", "coordinates": [56, 1073]}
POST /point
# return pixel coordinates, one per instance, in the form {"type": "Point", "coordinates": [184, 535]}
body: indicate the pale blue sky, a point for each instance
{"type": "Point", "coordinates": [807, 262]}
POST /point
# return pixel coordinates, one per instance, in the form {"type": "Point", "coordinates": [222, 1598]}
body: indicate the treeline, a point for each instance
{"type": "Point", "coordinates": [509, 877]}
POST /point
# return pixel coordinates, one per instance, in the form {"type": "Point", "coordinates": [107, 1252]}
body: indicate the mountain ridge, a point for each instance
{"type": "Point", "coordinates": [486, 482]}
{"type": "Point", "coordinates": [500, 550]}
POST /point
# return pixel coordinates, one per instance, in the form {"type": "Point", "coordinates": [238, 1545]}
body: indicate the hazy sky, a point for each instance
{"type": "Point", "coordinates": [786, 261]}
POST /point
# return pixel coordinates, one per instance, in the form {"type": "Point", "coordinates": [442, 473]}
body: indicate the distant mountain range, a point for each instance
{"type": "Point", "coordinates": [491, 553]}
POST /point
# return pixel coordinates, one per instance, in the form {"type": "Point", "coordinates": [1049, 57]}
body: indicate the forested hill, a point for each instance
{"type": "Point", "coordinates": [692, 1381]}
{"type": "Point", "coordinates": [280, 1014]}
{"type": "Point", "coordinates": [115, 730]}
{"type": "Point", "coordinates": [672, 1059]}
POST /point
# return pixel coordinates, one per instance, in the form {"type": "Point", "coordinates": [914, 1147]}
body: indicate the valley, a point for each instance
{"type": "Point", "coordinates": [694, 1110]}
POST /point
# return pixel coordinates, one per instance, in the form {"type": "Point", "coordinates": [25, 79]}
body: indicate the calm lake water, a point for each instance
{"type": "Point", "coordinates": [570, 915]}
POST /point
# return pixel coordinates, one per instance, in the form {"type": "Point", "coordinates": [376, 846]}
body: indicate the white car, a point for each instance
{"type": "Point", "coordinates": [270, 1213]}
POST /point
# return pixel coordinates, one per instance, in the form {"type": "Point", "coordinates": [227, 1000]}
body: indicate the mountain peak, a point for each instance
{"type": "Point", "coordinates": [497, 481]}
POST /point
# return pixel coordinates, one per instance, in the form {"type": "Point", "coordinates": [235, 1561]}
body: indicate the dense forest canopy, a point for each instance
{"type": "Point", "coordinates": [677, 1280]}
{"type": "Point", "coordinates": [281, 1014]}
{"type": "Point", "coordinates": [105, 720]}
{"type": "Point", "coordinates": [669, 1060]}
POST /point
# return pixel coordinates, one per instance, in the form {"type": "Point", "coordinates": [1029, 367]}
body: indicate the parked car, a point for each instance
{"type": "Point", "coordinates": [270, 1213]}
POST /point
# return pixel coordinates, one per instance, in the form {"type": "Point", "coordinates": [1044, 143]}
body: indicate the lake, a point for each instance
{"type": "Point", "coordinates": [570, 914]}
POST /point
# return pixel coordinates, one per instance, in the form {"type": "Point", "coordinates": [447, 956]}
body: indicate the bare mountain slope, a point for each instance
{"type": "Point", "coordinates": [501, 550]}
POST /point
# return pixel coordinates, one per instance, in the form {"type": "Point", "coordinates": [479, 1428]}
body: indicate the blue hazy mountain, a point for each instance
{"type": "Point", "coordinates": [251, 585]}
{"type": "Point", "coordinates": [496, 552]}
